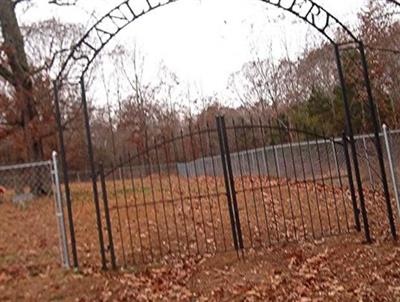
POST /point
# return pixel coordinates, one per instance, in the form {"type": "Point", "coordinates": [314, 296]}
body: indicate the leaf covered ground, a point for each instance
{"type": "Point", "coordinates": [334, 269]}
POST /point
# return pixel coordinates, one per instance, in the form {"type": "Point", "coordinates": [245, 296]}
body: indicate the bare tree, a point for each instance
{"type": "Point", "coordinates": [27, 54]}
{"type": "Point", "coordinates": [14, 69]}
{"type": "Point", "coordinates": [147, 104]}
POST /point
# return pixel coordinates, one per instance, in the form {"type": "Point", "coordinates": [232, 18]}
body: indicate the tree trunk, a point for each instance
{"type": "Point", "coordinates": [19, 76]}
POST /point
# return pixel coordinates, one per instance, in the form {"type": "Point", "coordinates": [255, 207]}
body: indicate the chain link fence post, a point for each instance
{"type": "Point", "coordinates": [393, 172]}
{"type": "Point", "coordinates": [60, 213]}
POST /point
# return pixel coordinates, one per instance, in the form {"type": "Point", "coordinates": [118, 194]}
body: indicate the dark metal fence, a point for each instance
{"type": "Point", "coordinates": [145, 205]}
{"type": "Point", "coordinates": [232, 189]}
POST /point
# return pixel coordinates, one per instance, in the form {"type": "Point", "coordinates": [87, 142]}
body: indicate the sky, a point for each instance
{"type": "Point", "coordinates": [202, 41]}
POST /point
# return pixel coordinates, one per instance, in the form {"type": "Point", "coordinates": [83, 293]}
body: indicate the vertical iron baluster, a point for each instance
{"type": "Point", "coordinates": [368, 165]}
{"type": "Point", "coordinates": [285, 228]}
{"type": "Point", "coordinates": [323, 182]}
{"type": "Point", "coordinates": [176, 156]}
{"type": "Point", "coordinates": [140, 156]}
{"type": "Point", "coordinates": [269, 179]}
{"type": "Point", "coordinates": [243, 184]}
{"type": "Point", "coordinates": [198, 186]}
{"type": "Point", "coordinates": [251, 180]}
{"type": "Point", "coordinates": [162, 194]}
{"type": "Point", "coordinates": [367, 157]}
{"type": "Point", "coordinates": [332, 184]}
{"type": "Point", "coordinates": [136, 205]}
{"type": "Point", "coordinates": [118, 214]}
{"type": "Point", "coordinates": [305, 182]}
{"type": "Point", "coordinates": [168, 161]}
{"type": "Point", "coordinates": [253, 126]}
{"type": "Point", "coordinates": [216, 184]}
{"type": "Point", "coordinates": [93, 172]}
{"type": "Point", "coordinates": [297, 183]}
{"type": "Point", "coordinates": [207, 184]}
{"type": "Point", "coordinates": [107, 216]}
{"type": "Point", "coordinates": [127, 210]}
{"type": "Point", "coordinates": [285, 166]}
{"type": "Point", "coordinates": [189, 191]}
{"type": "Point", "coordinates": [356, 211]}
{"type": "Point", "coordinates": [310, 157]}
{"type": "Point", "coordinates": [341, 186]}
{"type": "Point", "coordinates": [160, 242]}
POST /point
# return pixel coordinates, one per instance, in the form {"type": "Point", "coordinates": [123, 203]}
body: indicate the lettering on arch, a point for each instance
{"type": "Point", "coordinates": [308, 11]}
{"type": "Point", "coordinates": [85, 51]}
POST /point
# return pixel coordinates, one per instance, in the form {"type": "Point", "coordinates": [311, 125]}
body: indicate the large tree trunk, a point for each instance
{"type": "Point", "coordinates": [18, 74]}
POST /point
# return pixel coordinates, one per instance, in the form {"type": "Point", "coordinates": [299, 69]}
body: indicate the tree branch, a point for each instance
{"type": "Point", "coordinates": [7, 75]}
{"type": "Point", "coordinates": [389, 50]}
{"type": "Point", "coordinates": [63, 2]}
{"type": "Point", "coordinates": [49, 63]}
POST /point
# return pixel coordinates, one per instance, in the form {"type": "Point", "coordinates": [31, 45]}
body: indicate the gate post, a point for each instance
{"type": "Point", "coordinates": [378, 145]}
{"type": "Point", "coordinates": [229, 185]}
{"type": "Point", "coordinates": [232, 182]}
{"type": "Point", "coordinates": [93, 173]}
{"type": "Point", "coordinates": [356, 211]}
{"type": "Point", "coordinates": [65, 176]}
{"type": "Point", "coordinates": [59, 211]}
{"type": "Point", "coordinates": [386, 133]}
{"type": "Point", "coordinates": [349, 130]}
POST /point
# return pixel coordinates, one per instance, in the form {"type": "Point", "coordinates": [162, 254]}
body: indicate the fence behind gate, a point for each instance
{"type": "Point", "coordinates": [28, 182]}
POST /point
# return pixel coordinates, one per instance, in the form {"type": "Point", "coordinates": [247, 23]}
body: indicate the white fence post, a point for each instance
{"type": "Point", "coordinates": [60, 214]}
{"type": "Point", "coordinates": [335, 157]}
{"type": "Point", "coordinates": [391, 165]}
{"type": "Point", "coordinates": [278, 168]}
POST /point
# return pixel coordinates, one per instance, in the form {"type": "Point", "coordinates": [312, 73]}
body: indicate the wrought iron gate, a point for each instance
{"type": "Point", "coordinates": [226, 188]}
{"type": "Point", "coordinates": [88, 48]}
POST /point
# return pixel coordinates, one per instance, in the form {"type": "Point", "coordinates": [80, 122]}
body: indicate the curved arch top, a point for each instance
{"type": "Point", "coordinates": [99, 35]}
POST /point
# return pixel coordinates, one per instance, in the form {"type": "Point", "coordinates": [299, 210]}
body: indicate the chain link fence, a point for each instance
{"type": "Point", "coordinates": [311, 161]}
{"type": "Point", "coordinates": [30, 182]}
{"type": "Point", "coordinates": [26, 182]}
{"type": "Point", "coordinates": [369, 164]}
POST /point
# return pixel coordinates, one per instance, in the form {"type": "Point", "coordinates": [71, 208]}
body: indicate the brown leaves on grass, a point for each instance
{"type": "Point", "coordinates": [336, 269]}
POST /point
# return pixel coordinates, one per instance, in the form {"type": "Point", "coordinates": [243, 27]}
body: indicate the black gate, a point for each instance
{"type": "Point", "coordinates": [287, 180]}
{"type": "Point", "coordinates": [226, 188]}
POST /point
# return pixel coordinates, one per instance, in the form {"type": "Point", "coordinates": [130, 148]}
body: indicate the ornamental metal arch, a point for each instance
{"type": "Point", "coordinates": [104, 30]}
{"type": "Point", "coordinates": [85, 51]}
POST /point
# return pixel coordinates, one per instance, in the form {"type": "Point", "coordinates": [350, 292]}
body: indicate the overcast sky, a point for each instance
{"type": "Point", "coordinates": [203, 41]}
